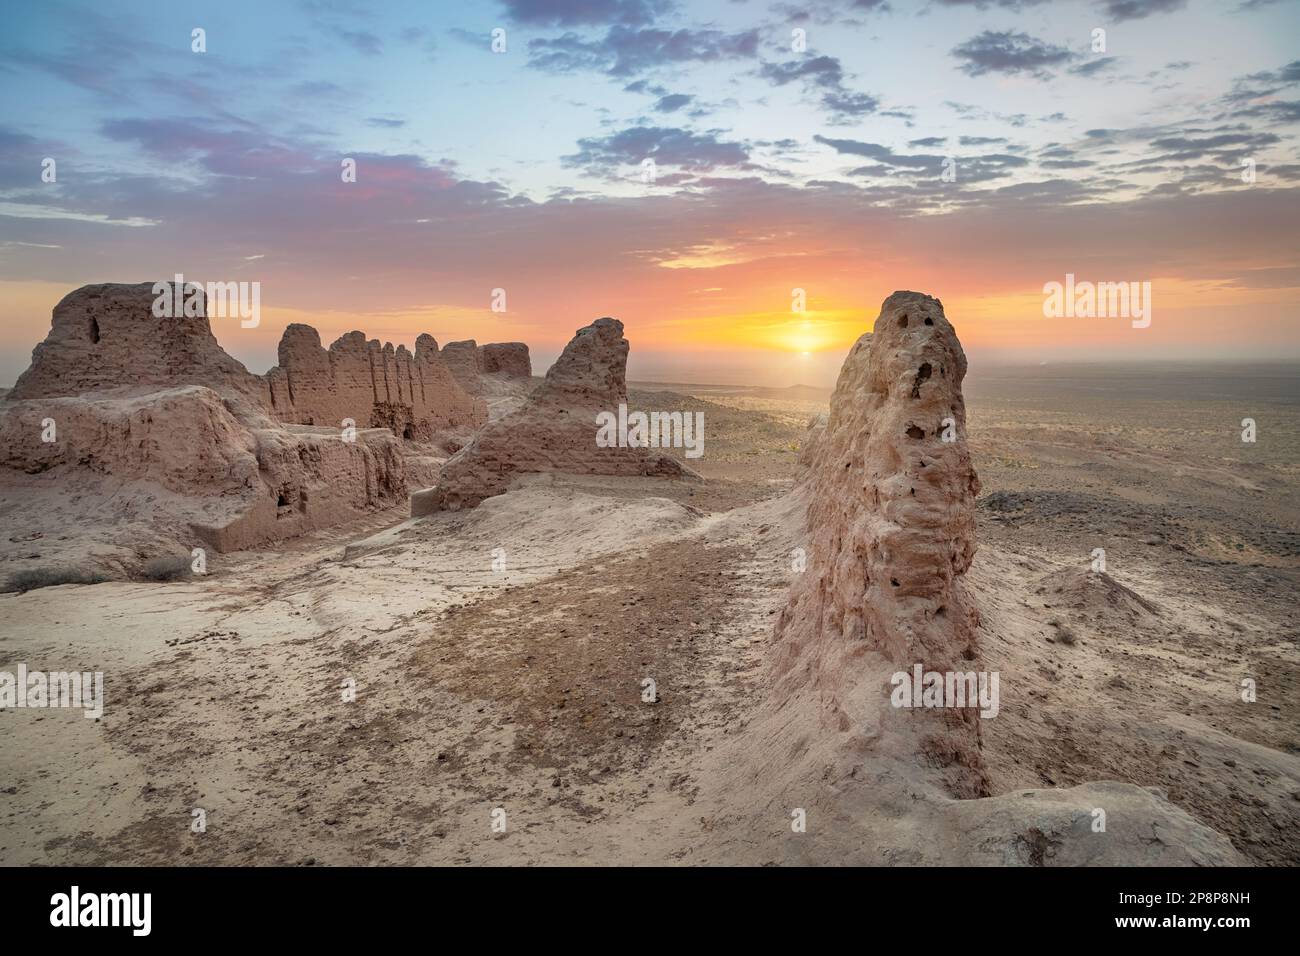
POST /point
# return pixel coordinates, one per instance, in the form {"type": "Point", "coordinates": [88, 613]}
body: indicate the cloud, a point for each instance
{"type": "Point", "coordinates": [627, 51]}
{"type": "Point", "coordinates": [853, 147]}
{"type": "Point", "coordinates": [101, 54]}
{"type": "Point", "coordinates": [1184, 148]}
{"type": "Point", "coordinates": [316, 89]}
{"type": "Point", "coordinates": [416, 233]}
{"type": "Point", "coordinates": [827, 74]}
{"type": "Point", "coordinates": [1254, 96]}
{"type": "Point", "coordinates": [1121, 10]}
{"type": "Point", "coordinates": [667, 146]}
{"type": "Point", "coordinates": [363, 41]}
{"type": "Point", "coordinates": [384, 122]}
{"type": "Point", "coordinates": [1010, 53]}
{"type": "Point", "coordinates": [672, 102]}
{"type": "Point", "coordinates": [925, 168]}
{"type": "Point", "coordinates": [1278, 112]}
{"type": "Point", "coordinates": [845, 106]}
{"type": "Point", "coordinates": [569, 13]}
{"type": "Point", "coordinates": [1016, 5]}
{"type": "Point", "coordinates": [1094, 66]}
{"type": "Point", "coordinates": [819, 70]}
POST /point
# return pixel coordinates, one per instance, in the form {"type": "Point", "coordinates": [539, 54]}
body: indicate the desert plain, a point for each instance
{"type": "Point", "coordinates": [588, 659]}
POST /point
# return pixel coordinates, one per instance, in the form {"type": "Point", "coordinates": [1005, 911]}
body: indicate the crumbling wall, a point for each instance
{"type": "Point", "coordinates": [890, 493]}
{"type": "Point", "coordinates": [374, 385]}
{"type": "Point", "coordinates": [106, 336]}
{"type": "Point", "coordinates": [152, 404]}
{"type": "Point", "coordinates": [510, 359]}
{"type": "Point", "coordinates": [553, 431]}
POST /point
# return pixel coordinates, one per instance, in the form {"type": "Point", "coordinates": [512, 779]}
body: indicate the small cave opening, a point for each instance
{"type": "Point", "coordinates": [902, 321]}
{"type": "Point", "coordinates": [922, 375]}
{"type": "Point", "coordinates": [914, 432]}
{"type": "Point", "coordinates": [408, 432]}
{"type": "Point", "coordinates": [282, 501]}
{"type": "Point", "coordinates": [94, 330]}
{"type": "Point", "coordinates": [929, 321]}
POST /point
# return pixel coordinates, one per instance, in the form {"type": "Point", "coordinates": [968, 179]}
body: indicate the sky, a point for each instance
{"type": "Point", "coordinates": [682, 166]}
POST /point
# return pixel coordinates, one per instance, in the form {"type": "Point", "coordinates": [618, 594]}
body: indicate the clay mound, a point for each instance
{"type": "Point", "coordinates": [182, 438]}
{"type": "Point", "coordinates": [1094, 594]}
{"type": "Point", "coordinates": [890, 532]}
{"type": "Point", "coordinates": [373, 385]}
{"type": "Point", "coordinates": [554, 431]}
{"type": "Point", "coordinates": [241, 486]}
{"type": "Point", "coordinates": [106, 336]}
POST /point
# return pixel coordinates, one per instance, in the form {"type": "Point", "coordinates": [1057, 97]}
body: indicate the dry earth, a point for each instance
{"type": "Point", "coordinates": [521, 687]}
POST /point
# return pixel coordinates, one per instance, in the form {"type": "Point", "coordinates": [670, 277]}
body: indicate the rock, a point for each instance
{"type": "Point", "coordinates": [890, 531]}
{"type": "Point", "coordinates": [553, 431]}
{"type": "Point", "coordinates": [1055, 828]}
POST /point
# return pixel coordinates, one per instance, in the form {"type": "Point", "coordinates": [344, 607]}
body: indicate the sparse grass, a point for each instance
{"type": "Point", "coordinates": [170, 567]}
{"type": "Point", "coordinates": [29, 579]}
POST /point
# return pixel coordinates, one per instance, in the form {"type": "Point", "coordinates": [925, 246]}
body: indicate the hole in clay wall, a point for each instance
{"type": "Point", "coordinates": [922, 375]}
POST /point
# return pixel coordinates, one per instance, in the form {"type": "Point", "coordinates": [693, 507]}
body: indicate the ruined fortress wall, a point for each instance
{"type": "Point", "coordinates": [553, 431]}
{"type": "Point", "coordinates": [374, 385]}
{"type": "Point", "coordinates": [890, 493]}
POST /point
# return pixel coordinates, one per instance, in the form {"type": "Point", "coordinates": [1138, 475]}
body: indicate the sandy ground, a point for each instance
{"type": "Point", "coordinates": [500, 659]}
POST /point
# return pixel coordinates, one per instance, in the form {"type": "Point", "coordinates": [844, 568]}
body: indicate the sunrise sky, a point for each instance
{"type": "Point", "coordinates": [777, 168]}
